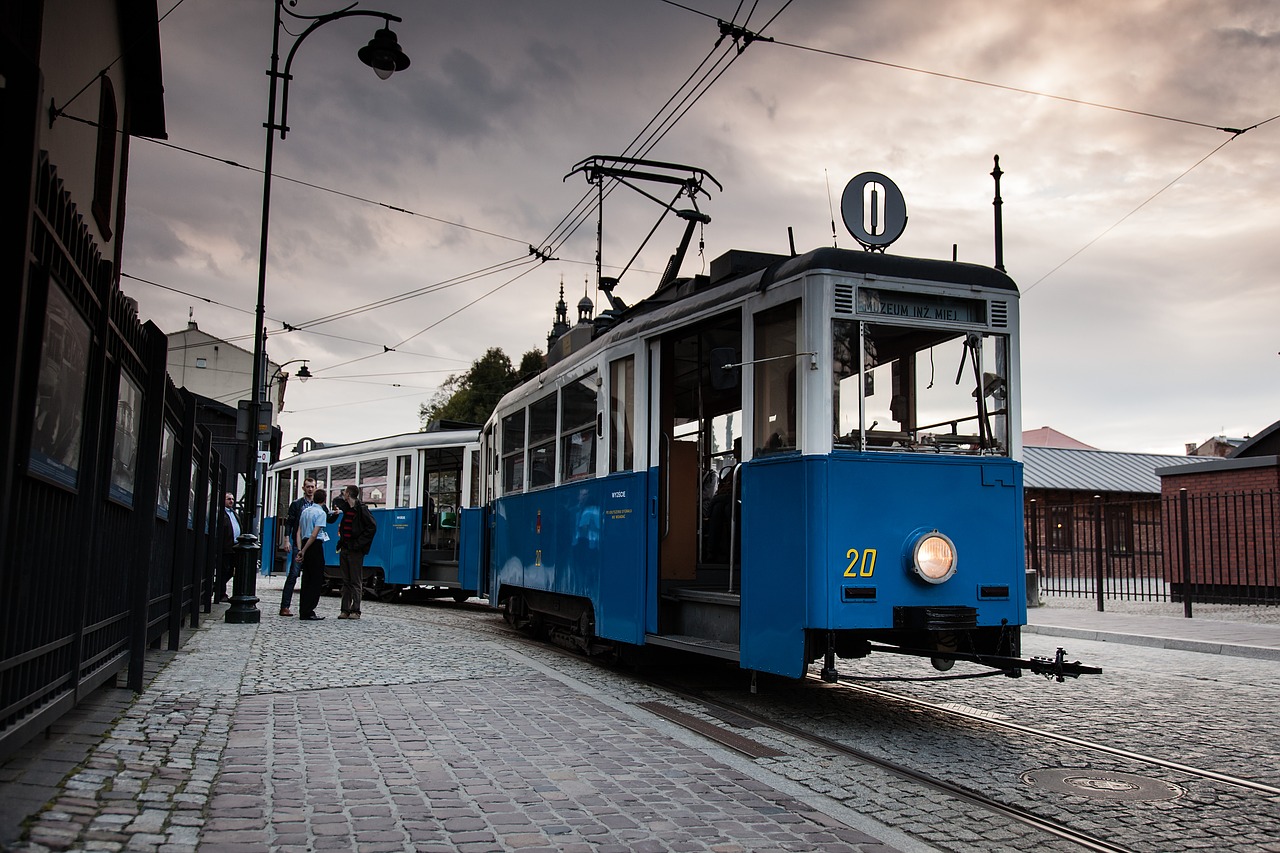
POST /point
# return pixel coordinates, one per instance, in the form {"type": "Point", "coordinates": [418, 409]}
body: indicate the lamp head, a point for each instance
{"type": "Point", "coordinates": [304, 373]}
{"type": "Point", "coordinates": [383, 54]}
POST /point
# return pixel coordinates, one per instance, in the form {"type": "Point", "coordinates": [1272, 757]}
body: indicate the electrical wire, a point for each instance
{"type": "Point", "coordinates": [57, 112]}
{"type": "Point", "coordinates": [1148, 200]}
{"type": "Point", "coordinates": [322, 188]}
{"type": "Point", "coordinates": [988, 84]}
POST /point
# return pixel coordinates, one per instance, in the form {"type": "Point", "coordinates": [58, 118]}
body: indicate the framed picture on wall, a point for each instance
{"type": "Point", "coordinates": [191, 497]}
{"type": "Point", "coordinates": [166, 471]}
{"type": "Point", "coordinates": [58, 425]}
{"type": "Point", "coordinates": [124, 448]}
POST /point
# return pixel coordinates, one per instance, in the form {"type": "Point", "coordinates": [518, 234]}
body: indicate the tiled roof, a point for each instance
{"type": "Point", "coordinates": [1050, 437]}
{"type": "Point", "coordinates": [1097, 470]}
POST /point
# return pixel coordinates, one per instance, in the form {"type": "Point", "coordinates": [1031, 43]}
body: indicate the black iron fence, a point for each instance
{"type": "Point", "coordinates": [1208, 548]}
{"type": "Point", "coordinates": [107, 520]}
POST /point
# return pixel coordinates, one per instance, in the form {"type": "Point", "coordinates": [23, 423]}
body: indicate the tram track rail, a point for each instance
{"type": "Point", "coordinates": [721, 709]}
{"type": "Point", "coordinates": [722, 721]}
{"type": "Point", "coordinates": [1017, 814]}
{"type": "Point", "coordinates": [1093, 746]}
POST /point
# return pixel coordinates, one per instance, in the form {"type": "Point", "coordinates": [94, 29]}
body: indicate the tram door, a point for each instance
{"type": "Point", "coordinates": [441, 502]}
{"type": "Point", "coordinates": [697, 417]}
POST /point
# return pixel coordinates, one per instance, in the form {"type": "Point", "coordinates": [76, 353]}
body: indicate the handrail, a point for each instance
{"type": "Point", "coordinates": [735, 498]}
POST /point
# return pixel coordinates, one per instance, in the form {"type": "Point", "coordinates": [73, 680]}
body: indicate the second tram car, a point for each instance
{"type": "Point", "coordinates": [792, 459]}
{"type": "Point", "coordinates": [414, 484]}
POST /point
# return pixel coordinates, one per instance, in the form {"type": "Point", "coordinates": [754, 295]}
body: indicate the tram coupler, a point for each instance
{"type": "Point", "coordinates": [829, 673]}
{"type": "Point", "coordinates": [1058, 668]}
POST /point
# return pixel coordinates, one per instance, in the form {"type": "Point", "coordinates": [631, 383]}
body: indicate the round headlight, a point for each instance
{"type": "Point", "coordinates": [934, 557]}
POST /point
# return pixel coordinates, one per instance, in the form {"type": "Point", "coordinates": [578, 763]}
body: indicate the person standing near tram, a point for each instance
{"type": "Point", "coordinates": [355, 538]}
{"type": "Point", "coordinates": [310, 540]}
{"type": "Point", "coordinates": [292, 565]}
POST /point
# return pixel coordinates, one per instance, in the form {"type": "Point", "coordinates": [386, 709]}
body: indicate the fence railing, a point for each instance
{"type": "Point", "coordinates": [1210, 548]}
{"type": "Point", "coordinates": [107, 516]}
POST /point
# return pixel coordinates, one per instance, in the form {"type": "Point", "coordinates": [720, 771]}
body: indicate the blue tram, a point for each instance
{"type": "Point", "coordinates": [415, 485]}
{"type": "Point", "coordinates": [792, 459]}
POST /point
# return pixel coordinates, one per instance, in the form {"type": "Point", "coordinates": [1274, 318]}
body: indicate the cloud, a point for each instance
{"type": "Point", "coordinates": [1155, 331]}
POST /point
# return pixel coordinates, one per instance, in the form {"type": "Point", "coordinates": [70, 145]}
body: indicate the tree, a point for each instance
{"type": "Point", "coordinates": [472, 396]}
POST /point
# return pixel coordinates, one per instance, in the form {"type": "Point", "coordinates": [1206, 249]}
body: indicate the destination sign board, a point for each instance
{"type": "Point", "coordinates": [891, 304]}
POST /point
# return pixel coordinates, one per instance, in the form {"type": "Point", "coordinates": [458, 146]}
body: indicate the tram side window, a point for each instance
{"type": "Point", "coordinates": [776, 337]}
{"type": "Point", "coordinates": [578, 429]}
{"type": "Point", "coordinates": [542, 442]}
{"type": "Point", "coordinates": [373, 482]}
{"type": "Point", "coordinates": [286, 486]}
{"type": "Point", "coordinates": [622, 406]}
{"type": "Point", "coordinates": [404, 480]}
{"type": "Point", "coordinates": [474, 465]}
{"type": "Point", "coordinates": [320, 475]}
{"type": "Point", "coordinates": [513, 453]}
{"type": "Point", "coordinates": [341, 476]}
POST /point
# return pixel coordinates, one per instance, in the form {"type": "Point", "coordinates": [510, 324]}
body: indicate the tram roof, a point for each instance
{"type": "Point", "coordinates": [779, 267]}
{"type": "Point", "coordinates": [404, 441]}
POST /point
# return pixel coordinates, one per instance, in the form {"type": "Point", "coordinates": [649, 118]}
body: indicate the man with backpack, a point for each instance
{"type": "Point", "coordinates": [355, 538]}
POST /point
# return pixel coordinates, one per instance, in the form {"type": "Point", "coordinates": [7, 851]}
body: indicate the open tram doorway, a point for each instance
{"type": "Point", "coordinates": [697, 426]}
{"type": "Point", "coordinates": [441, 500]}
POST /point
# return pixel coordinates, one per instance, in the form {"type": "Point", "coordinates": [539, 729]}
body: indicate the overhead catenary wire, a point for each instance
{"type": "Point", "coordinates": [641, 144]}
{"type": "Point", "coordinates": [906, 68]}
{"type": "Point", "coordinates": [1145, 202]}
{"type": "Point", "coordinates": [976, 82]}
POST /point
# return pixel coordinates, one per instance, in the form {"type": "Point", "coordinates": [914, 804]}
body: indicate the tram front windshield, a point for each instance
{"type": "Point", "coordinates": [920, 389]}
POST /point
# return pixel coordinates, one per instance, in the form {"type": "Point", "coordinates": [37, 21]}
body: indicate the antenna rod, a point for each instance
{"type": "Point", "coordinates": [830, 209]}
{"type": "Point", "coordinates": [998, 203]}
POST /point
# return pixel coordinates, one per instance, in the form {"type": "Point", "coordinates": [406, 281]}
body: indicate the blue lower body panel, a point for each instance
{"type": "Point", "coordinates": [584, 540]}
{"type": "Point", "coordinates": [827, 547]}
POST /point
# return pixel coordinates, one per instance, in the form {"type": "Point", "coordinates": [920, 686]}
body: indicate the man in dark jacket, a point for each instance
{"type": "Point", "coordinates": [355, 538]}
{"type": "Point", "coordinates": [229, 531]}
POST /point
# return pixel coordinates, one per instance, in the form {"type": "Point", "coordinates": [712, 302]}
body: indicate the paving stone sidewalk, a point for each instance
{"type": "Point", "coordinates": [396, 734]}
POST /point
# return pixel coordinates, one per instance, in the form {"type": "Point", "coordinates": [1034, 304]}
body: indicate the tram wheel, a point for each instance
{"type": "Point", "coordinates": [460, 596]}
{"type": "Point", "coordinates": [373, 585]}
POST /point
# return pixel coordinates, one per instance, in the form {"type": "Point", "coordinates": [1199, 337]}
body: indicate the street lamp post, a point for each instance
{"type": "Point", "coordinates": [384, 56]}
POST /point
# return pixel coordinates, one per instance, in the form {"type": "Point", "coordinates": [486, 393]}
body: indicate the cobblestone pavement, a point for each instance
{"type": "Point", "coordinates": [400, 732]}
{"type": "Point", "coordinates": [417, 729]}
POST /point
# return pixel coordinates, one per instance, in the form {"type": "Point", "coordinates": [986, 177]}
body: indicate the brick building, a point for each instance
{"type": "Point", "coordinates": [1222, 517]}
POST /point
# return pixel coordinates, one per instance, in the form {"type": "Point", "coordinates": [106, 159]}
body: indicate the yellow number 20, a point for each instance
{"type": "Point", "coordinates": [868, 560]}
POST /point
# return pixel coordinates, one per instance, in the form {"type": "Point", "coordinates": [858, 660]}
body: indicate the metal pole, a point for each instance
{"type": "Point", "coordinates": [1185, 535]}
{"type": "Point", "coordinates": [999, 204]}
{"type": "Point", "coordinates": [244, 600]}
{"type": "Point", "coordinates": [1099, 578]}
{"type": "Point", "coordinates": [381, 51]}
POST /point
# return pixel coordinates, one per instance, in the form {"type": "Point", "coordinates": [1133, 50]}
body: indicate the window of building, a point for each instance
{"type": "Point", "coordinates": [1061, 528]}
{"type": "Point", "coordinates": [1119, 520]}
{"type": "Point", "coordinates": [622, 406]}
{"type": "Point", "coordinates": [202, 362]}
{"type": "Point", "coordinates": [578, 427]}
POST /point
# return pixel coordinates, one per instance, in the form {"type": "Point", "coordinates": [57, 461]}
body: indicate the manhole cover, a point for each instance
{"type": "Point", "coordinates": [1103, 784]}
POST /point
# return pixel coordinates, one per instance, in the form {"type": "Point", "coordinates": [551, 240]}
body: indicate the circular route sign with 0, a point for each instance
{"type": "Point", "coordinates": [873, 210]}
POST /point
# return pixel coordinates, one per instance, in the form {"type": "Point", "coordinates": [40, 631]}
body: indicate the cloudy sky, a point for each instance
{"type": "Point", "coordinates": [1144, 238]}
